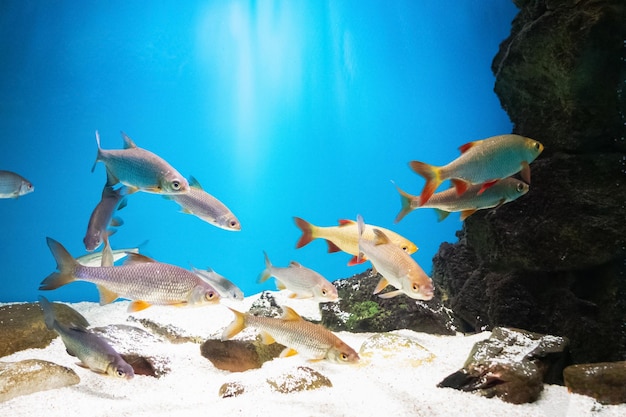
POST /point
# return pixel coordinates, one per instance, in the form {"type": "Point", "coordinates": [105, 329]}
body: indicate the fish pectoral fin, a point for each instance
{"type": "Point", "coordinates": [138, 305]}
{"type": "Point", "coordinates": [106, 296]}
{"type": "Point", "coordinates": [315, 360]}
{"type": "Point", "coordinates": [132, 189]}
{"type": "Point", "coordinates": [460, 186]}
{"type": "Point", "coordinates": [500, 203]}
{"type": "Point", "coordinates": [382, 284]}
{"type": "Point", "coordinates": [391, 294]}
{"type": "Point", "coordinates": [82, 365]}
{"type": "Point", "coordinates": [155, 190]}
{"type": "Point", "coordinates": [267, 339]}
{"type": "Point", "coordinates": [116, 222]}
{"type": "Point", "coordinates": [466, 213]}
{"type": "Point", "coordinates": [332, 248]}
{"type": "Point", "coordinates": [486, 185]}
{"type": "Point", "coordinates": [525, 173]}
{"type": "Point", "coordinates": [287, 352]}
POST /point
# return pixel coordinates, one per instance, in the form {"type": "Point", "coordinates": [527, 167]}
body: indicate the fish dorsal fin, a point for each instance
{"type": "Point", "coordinates": [106, 296]}
{"type": "Point", "coordinates": [295, 264]}
{"type": "Point", "coordinates": [137, 258]}
{"type": "Point", "coordinates": [193, 182]}
{"type": "Point", "coordinates": [467, 147]}
{"type": "Point", "coordinates": [344, 222]}
{"type": "Point", "coordinates": [128, 142]}
{"type": "Point", "coordinates": [381, 237]}
{"type": "Point", "coordinates": [289, 314]}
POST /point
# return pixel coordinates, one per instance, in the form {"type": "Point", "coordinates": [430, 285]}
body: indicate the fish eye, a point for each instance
{"type": "Point", "coordinates": [520, 187]}
{"type": "Point", "coordinates": [324, 292]}
{"type": "Point", "coordinates": [176, 185]}
{"type": "Point", "coordinates": [343, 357]}
{"type": "Point", "coordinates": [209, 295]}
{"type": "Point", "coordinates": [537, 146]}
{"type": "Point", "coordinates": [121, 373]}
{"type": "Point", "coordinates": [233, 223]}
{"type": "Point", "coordinates": [416, 287]}
{"type": "Point", "coordinates": [405, 248]}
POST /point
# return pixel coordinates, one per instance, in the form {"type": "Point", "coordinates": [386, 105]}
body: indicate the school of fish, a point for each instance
{"type": "Point", "coordinates": [481, 178]}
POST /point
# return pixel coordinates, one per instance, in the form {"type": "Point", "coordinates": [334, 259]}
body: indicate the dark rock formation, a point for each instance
{"type": "Point", "coordinates": [22, 326]}
{"type": "Point", "coordinates": [33, 375]}
{"type": "Point", "coordinates": [554, 261]}
{"type": "Point", "coordinates": [512, 365]}
{"type": "Point", "coordinates": [606, 382]}
{"type": "Point", "coordinates": [359, 310]}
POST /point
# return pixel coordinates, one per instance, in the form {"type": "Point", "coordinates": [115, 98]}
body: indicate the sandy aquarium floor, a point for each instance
{"type": "Point", "coordinates": [381, 384]}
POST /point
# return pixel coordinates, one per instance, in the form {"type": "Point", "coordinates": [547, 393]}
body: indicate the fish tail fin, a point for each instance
{"type": "Point", "coordinates": [97, 154]}
{"type": "Point", "coordinates": [406, 200]}
{"type": "Point", "coordinates": [237, 325]}
{"type": "Point", "coordinates": [432, 176]}
{"type": "Point", "coordinates": [48, 313]}
{"type": "Point", "coordinates": [264, 276]}
{"type": "Point", "coordinates": [307, 232]}
{"type": "Point", "coordinates": [65, 264]}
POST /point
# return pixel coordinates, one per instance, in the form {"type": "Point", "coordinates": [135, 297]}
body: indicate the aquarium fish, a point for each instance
{"type": "Point", "coordinates": [141, 279]}
{"type": "Point", "coordinates": [302, 281]}
{"type": "Point", "coordinates": [93, 351]}
{"type": "Point", "coordinates": [206, 207]}
{"type": "Point", "coordinates": [95, 258]}
{"type": "Point", "coordinates": [13, 185]}
{"type": "Point", "coordinates": [445, 202]}
{"type": "Point", "coordinates": [345, 237]}
{"type": "Point", "coordinates": [102, 216]}
{"type": "Point", "coordinates": [481, 162]}
{"type": "Point", "coordinates": [140, 169]}
{"type": "Point", "coordinates": [224, 287]}
{"type": "Point", "coordinates": [396, 266]}
{"type": "Point", "coordinates": [311, 340]}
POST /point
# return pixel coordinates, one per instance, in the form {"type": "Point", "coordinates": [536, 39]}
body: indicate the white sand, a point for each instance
{"type": "Point", "coordinates": [378, 386]}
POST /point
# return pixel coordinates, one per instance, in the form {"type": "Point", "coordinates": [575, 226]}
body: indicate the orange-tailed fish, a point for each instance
{"type": "Point", "coordinates": [206, 207]}
{"type": "Point", "coordinates": [13, 185]}
{"type": "Point", "coordinates": [396, 266]}
{"type": "Point", "coordinates": [141, 279]}
{"type": "Point", "coordinates": [102, 216]}
{"type": "Point", "coordinates": [445, 202]}
{"type": "Point", "coordinates": [92, 350]}
{"type": "Point", "coordinates": [345, 237]}
{"type": "Point", "coordinates": [140, 169]}
{"type": "Point", "coordinates": [310, 340]}
{"type": "Point", "coordinates": [302, 281]}
{"type": "Point", "coordinates": [481, 162]}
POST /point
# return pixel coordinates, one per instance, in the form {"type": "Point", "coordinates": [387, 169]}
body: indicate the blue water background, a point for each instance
{"type": "Point", "coordinates": [279, 109]}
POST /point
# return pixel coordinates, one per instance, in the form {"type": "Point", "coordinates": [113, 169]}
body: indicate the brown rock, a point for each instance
{"type": "Point", "coordinates": [239, 355]}
{"type": "Point", "coordinates": [231, 389]}
{"type": "Point", "coordinates": [302, 379]}
{"type": "Point", "coordinates": [606, 382]}
{"type": "Point", "coordinates": [22, 326]}
{"type": "Point", "coordinates": [30, 376]}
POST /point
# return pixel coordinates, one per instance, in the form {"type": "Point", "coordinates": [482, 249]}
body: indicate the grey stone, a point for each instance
{"type": "Point", "coordinates": [33, 375]}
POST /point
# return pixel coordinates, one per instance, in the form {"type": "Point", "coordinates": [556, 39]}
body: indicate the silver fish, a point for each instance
{"type": "Point", "coordinates": [95, 258]}
{"type": "Point", "coordinates": [93, 351]}
{"type": "Point", "coordinates": [141, 279]}
{"type": "Point", "coordinates": [224, 287]}
{"type": "Point", "coordinates": [140, 169]}
{"type": "Point", "coordinates": [206, 207]}
{"type": "Point", "coordinates": [445, 202]}
{"type": "Point", "coordinates": [13, 185]}
{"type": "Point", "coordinates": [302, 281]}
{"type": "Point", "coordinates": [396, 267]}
{"type": "Point", "coordinates": [112, 199]}
{"type": "Point", "coordinates": [298, 335]}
